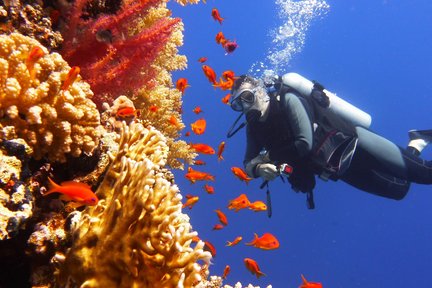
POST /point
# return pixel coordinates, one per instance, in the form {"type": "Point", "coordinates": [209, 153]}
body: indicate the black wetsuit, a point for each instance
{"type": "Point", "coordinates": [378, 165]}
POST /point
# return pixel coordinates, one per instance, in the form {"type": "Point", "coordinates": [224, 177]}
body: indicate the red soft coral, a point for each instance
{"type": "Point", "coordinates": [111, 60]}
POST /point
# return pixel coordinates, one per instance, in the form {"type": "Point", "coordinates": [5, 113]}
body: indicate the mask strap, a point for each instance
{"type": "Point", "coordinates": [233, 131]}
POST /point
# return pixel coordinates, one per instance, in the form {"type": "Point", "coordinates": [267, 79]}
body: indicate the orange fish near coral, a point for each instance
{"type": "Point", "coordinates": [253, 267]}
{"type": "Point", "coordinates": [192, 200]}
{"type": "Point", "coordinates": [209, 247]}
{"type": "Point", "coordinates": [266, 242]}
{"type": "Point", "coordinates": [239, 203]}
{"type": "Point", "coordinates": [194, 175]}
{"type": "Point", "coordinates": [202, 148]}
{"type": "Point", "coordinates": [173, 121]}
{"type": "Point", "coordinates": [35, 54]}
{"type": "Point", "coordinates": [182, 84]}
{"type": "Point", "coordinates": [199, 126]}
{"type": "Point", "coordinates": [202, 59]}
{"type": "Point", "coordinates": [235, 241]}
{"type": "Point", "coordinates": [226, 271]}
{"type": "Point", "coordinates": [307, 284]}
{"type": "Point", "coordinates": [209, 73]}
{"type": "Point", "coordinates": [153, 108]}
{"type": "Point", "coordinates": [197, 110]}
{"type": "Point", "coordinates": [127, 112]}
{"type": "Point", "coordinates": [209, 189]}
{"type": "Point", "coordinates": [258, 206]}
{"type": "Point", "coordinates": [79, 193]}
{"type": "Point", "coordinates": [241, 174]}
{"type": "Point", "coordinates": [222, 217]}
{"type": "Point", "coordinates": [71, 77]}
{"type": "Point", "coordinates": [216, 15]}
{"type": "Point", "coordinates": [220, 150]}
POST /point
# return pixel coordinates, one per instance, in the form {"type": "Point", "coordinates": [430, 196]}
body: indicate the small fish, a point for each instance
{"type": "Point", "coordinates": [187, 134]}
{"type": "Point", "coordinates": [199, 162]}
{"type": "Point", "coordinates": [252, 266]}
{"type": "Point", "coordinates": [209, 73]}
{"type": "Point", "coordinates": [209, 247]}
{"type": "Point", "coordinates": [77, 192]}
{"type": "Point", "coordinates": [173, 121]}
{"type": "Point", "coordinates": [226, 98]}
{"type": "Point", "coordinates": [70, 77]}
{"type": "Point", "coordinates": [218, 227]}
{"type": "Point", "coordinates": [199, 126]}
{"type": "Point", "coordinates": [222, 217]}
{"type": "Point", "coordinates": [226, 271]}
{"type": "Point", "coordinates": [221, 148]}
{"type": "Point", "coordinates": [224, 85]}
{"type": "Point", "coordinates": [194, 175]}
{"type": "Point", "coordinates": [266, 242]}
{"type": "Point", "coordinates": [34, 55]}
{"type": "Point", "coordinates": [229, 74]}
{"type": "Point", "coordinates": [197, 110]}
{"type": "Point", "coordinates": [127, 112]}
{"type": "Point", "coordinates": [220, 38]}
{"type": "Point", "coordinates": [216, 15]}
{"type": "Point", "coordinates": [209, 189]}
{"type": "Point", "coordinates": [235, 241]}
{"type": "Point", "coordinates": [202, 59]}
{"type": "Point", "coordinates": [241, 202]}
{"type": "Point", "coordinates": [190, 202]}
{"type": "Point", "coordinates": [153, 108]}
{"type": "Point", "coordinates": [307, 284]}
{"type": "Point", "coordinates": [195, 239]}
{"type": "Point", "coordinates": [241, 174]}
{"type": "Point", "coordinates": [182, 84]}
{"type": "Point", "coordinates": [202, 148]}
{"type": "Point", "coordinates": [258, 206]}
{"type": "Point", "coordinates": [230, 46]}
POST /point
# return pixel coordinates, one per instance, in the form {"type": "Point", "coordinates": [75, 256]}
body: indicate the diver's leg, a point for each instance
{"type": "Point", "coordinates": [389, 158]}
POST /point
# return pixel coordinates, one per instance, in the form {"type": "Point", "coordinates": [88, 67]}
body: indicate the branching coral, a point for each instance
{"type": "Point", "coordinates": [136, 236]}
{"type": "Point", "coordinates": [54, 122]}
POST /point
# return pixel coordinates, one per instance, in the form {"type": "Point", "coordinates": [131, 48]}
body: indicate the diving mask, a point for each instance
{"type": "Point", "coordinates": [244, 98]}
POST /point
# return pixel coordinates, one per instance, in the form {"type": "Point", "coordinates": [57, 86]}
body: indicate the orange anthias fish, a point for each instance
{"type": "Point", "coordinates": [224, 85]}
{"type": "Point", "coordinates": [216, 16]}
{"type": "Point", "coordinates": [229, 74]}
{"type": "Point", "coordinates": [209, 189]}
{"type": "Point", "coordinates": [238, 203]}
{"type": "Point", "coordinates": [202, 59]}
{"type": "Point", "coordinates": [199, 162]}
{"type": "Point", "coordinates": [221, 148]}
{"type": "Point", "coordinates": [77, 192]}
{"type": "Point", "coordinates": [192, 200]}
{"type": "Point", "coordinates": [209, 73]}
{"type": "Point", "coordinates": [222, 217]}
{"type": "Point", "coordinates": [226, 271]}
{"type": "Point", "coordinates": [209, 247]}
{"type": "Point", "coordinates": [194, 175]}
{"type": "Point", "coordinates": [252, 266]}
{"type": "Point", "coordinates": [199, 126]}
{"type": "Point", "coordinates": [235, 241]}
{"type": "Point", "coordinates": [265, 242]}
{"type": "Point", "coordinates": [241, 174]}
{"type": "Point", "coordinates": [220, 38]}
{"type": "Point", "coordinates": [182, 84]}
{"type": "Point", "coordinates": [34, 55]}
{"type": "Point", "coordinates": [153, 108]}
{"type": "Point", "coordinates": [218, 227]}
{"type": "Point", "coordinates": [187, 134]}
{"type": "Point", "coordinates": [127, 112]}
{"type": "Point", "coordinates": [71, 77]}
{"type": "Point", "coordinates": [226, 98]}
{"type": "Point", "coordinates": [307, 284]}
{"type": "Point", "coordinates": [202, 148]}
{"type": "Point", "coordinates": [197, 110]}
{"type": "Point", "coordinates": [258, 206]}
{"type": "Point", "coordinates": [230, 46]}
{"type": "Point", "coordinates": [173, 120]}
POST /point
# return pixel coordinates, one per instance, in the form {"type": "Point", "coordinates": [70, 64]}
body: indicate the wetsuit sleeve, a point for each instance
{"type": "Point", "coordinates": [298, 117]}
{"type": "Point", "coordinates": [253, 149]}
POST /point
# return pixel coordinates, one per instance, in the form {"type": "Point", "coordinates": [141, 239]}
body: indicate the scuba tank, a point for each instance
{"type": "Point", "coordinates": [338, 114]}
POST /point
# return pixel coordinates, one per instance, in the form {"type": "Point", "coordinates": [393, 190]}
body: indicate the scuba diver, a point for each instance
{"type": "Point", "coordinates": [292, 120]}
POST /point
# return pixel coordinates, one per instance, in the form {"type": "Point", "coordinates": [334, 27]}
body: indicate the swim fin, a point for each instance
{"type": "Point", "coordinates": [419, 139]}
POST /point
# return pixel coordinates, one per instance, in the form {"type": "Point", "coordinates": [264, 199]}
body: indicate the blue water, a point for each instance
{"type": "Point", "coordinates": [375, 54]}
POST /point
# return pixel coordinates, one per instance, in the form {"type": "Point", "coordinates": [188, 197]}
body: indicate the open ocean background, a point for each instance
{"type": "Point", "coordinates": [376, 54]}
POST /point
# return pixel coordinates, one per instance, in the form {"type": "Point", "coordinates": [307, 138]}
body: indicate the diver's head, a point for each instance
{"type": "Point", "coordinates": [251, 98]}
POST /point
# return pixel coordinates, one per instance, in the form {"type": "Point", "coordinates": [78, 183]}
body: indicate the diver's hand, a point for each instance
{"type": "Point", "coordinates": [267, 171]}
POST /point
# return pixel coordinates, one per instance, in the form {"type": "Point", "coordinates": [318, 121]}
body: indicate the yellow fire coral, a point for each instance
{"type": "Point", "coordinates": [136, 236]}
{"type": "Point", "coordinates": [54, 122]}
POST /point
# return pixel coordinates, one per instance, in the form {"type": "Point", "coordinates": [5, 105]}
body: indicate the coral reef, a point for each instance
{"type": "Point", "coordinates": [53, 122]}
{"type": "Point", "coordinates": [30, 20]}
{"type": "Point", "coordinates": [136, 236]}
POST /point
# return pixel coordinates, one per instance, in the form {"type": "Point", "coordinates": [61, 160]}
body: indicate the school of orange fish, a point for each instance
{"type": "Point", "coordinates": [267, 241]}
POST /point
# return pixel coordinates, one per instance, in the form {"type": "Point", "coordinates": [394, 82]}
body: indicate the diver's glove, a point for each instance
{"type": "Point", "coordinates": [267, 171]}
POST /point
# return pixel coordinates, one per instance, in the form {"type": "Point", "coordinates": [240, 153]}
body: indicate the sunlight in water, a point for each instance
{"type": "Point", "coordinates": [289, 37]}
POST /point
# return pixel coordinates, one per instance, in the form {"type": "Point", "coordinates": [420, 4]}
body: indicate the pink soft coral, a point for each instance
{"type": "Point", "coordinates": [112, 59]}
